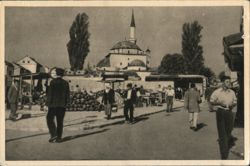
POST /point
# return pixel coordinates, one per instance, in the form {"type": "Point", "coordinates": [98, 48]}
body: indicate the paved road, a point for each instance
{"type": "Point", "coordinates": [162, 136]}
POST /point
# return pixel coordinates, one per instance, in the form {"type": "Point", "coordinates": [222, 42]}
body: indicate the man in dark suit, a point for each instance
{"type": "Point", "coordinates": [108, 99]}
{"type": "Point", "coordinates": [58, 98]}
{"type": "Point", "coordinates": [13, 99]}
{"type": "Point", "coordinates": [129, 101]}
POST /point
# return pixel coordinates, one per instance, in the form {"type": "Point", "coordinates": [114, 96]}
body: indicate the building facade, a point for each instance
{"type": "Point", "coordinates": [126, 55]}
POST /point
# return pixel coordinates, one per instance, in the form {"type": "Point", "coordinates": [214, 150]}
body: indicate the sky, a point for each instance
{"type": "Point", "coordinates": [43, 32]}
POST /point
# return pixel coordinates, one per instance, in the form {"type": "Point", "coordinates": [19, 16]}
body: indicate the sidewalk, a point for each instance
{"type": "Point", "coordinates": [78, 120]}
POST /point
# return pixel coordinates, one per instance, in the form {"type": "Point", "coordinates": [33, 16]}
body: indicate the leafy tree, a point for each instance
{"type": "Point", "coordinates": [78, 45]}
{"type": "Point", "coordinates": [191, 49]}
{"type": "Point", "coordinates": [221, 74]}
{"type": "Point", "coordinates": [172, 64]}
{"type": "Point", "coordinates": [207, 72]}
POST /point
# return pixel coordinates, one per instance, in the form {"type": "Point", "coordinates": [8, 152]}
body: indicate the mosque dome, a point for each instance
{"type": "Point", "coordinates": [137, 62]}
{"type": "Point", "coordinates": [125, 45]}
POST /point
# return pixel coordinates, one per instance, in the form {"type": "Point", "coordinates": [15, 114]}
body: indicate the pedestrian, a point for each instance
{"type": "Point", "coordinates": [42, 101]}
{"type": "Point", "coordinates": [160, 90]}
{"type": "Point", "coordinates": [224, 99]}
{"type": "Point", "coordinates": [179, 93]}
{"type": "Point", "coordinates": [58, 98]}
{"type": "Point", "coordinates": [169, 93]}
{"type": "Point", "coordinates": [129, 101]}
{"type": "Point", "coordinates": [108, 100]}
{"type": "Point", "coordinates": [13, 99]}
{"type": "Point", "coordinates": [191, 104]}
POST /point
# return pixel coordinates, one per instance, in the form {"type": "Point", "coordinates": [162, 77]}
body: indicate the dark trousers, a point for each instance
{"type": "Point", "coordinates": [13, 109]}
{"type": "Point", "coordinates": [129, 107]}
{"type": "Point", "coordinates": [169, 103]}
{"type": "Point", "coordinates": [59, 113]}
{"type": "Point", "coordinates": [224, 119]}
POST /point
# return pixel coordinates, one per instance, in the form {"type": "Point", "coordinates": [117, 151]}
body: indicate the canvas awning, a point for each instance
{"type": "Point", "coordinates": [234, 51]}
{"type": "Point", "coordinates": [33, 75]}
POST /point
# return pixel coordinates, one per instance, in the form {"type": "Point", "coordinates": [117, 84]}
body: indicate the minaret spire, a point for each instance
{"type": "Point", "coordinates": [132, 20]}
{"type": "Point", "coordinates": [132, 29]}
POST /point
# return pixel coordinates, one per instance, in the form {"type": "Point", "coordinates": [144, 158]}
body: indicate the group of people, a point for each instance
{"type": "Point", "coordinates": [130, 99]}
{"type": "Point", "coordinates": [223, 100]}
{"type": "Point", "coordinates": [58, 96]}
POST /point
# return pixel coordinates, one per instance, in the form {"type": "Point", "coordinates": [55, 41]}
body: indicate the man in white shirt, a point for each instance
{"type": "Point", "coordinates": [170, 98]}
{"type": "Point", "coordinates": [224, 99]}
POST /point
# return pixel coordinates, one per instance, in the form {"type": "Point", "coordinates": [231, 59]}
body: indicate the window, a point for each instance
{"type": "Point", "coordinates": [23, 61]}
{"type": "Point", "coordinates": [128, 59]}
{"type": "Point", "coordinates": [28, 61]}
{"type": "Point", "coordinates": [10, 73]}
{"type": "Point", "coordinates": [121, 63]}
{"type": "Point", "coordinates": [69, 81]}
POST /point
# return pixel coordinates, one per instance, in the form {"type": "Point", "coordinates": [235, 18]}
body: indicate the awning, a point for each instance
{"type": "Point", "coordinates": [188, 78]}
{"type": "Point", "coordinates": [234, 51]}
{"type": "Point", "coordinates": [33, 75]}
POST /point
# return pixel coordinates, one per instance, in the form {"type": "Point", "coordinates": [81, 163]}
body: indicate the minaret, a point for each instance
{"type": "Point", "coordinates": [132, 29]}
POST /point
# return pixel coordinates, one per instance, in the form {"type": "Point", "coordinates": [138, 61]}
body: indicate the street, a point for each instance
{"type": "Point", "coordinates": [160, 136]}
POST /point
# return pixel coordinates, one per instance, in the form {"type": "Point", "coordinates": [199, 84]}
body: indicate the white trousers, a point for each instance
{"type": "Point", "coordinates": [193, 117]}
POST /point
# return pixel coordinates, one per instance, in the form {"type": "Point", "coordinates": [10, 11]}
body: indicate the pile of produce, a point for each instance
{"type": "Point", "coordinates": [82, 101]}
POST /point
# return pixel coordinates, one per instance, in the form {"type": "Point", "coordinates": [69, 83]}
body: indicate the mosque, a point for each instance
{"type": "Point", "coordinates": [126, 55]}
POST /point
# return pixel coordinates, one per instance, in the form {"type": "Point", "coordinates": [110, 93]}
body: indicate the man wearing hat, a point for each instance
{"type": "Point", "coordinates": [224, 99]}
{"type": "Point", "coordinates": [58, 98]}
{"type": "Point", "coordinates": [129, 101]}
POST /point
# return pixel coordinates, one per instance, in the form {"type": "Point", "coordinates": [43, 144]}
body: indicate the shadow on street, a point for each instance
{"type": "Point", "coordinates": [82, 122]}
{"type": "Point", "coordinates": [35, 135]}
{"type": "Point", "coordinates": [140, 119]}
{"type": "Point", "coordinates": [117, 117]}
{"type": "Point", "coordinates": [68, 138]}
{"type": "Point", "coordinates": [200, 126]}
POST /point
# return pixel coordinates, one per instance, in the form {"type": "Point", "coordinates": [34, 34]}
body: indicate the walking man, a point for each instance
{"type": "Point", "coordinates": [170, 98]}
{"type": "Point", "coordinates": [191, 104]}
{"type": "Point", "coordinates": [13, 99]}
{"type": "Point", "coordinates": [129, 101]}
{"type": "Point", "coordinates": [224, 99]}
{"type": "Point", "coordinates": [58, 98]}
{"type": "Point", "coordinates": [108, 99]}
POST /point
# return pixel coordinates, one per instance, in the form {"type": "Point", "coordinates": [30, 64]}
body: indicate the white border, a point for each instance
{"type": "Point", "coordinates": [244, 3]}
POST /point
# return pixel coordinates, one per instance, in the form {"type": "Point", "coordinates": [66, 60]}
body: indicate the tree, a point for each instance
{"type": "Point", "coordinates": [78, 45]}
{"type": "Point", "coordinates": [172, 64]}
{"type": "Point", "coordinates": [221, 74]}
{"type": "Point", "coordinates": [191, 49]}
{"type": "Point", "coordinates": [207, 72]}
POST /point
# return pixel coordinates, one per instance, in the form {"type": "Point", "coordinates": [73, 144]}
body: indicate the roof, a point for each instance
{"type": "Point", "coordinates": [125, 45]}
{"type": "Point", "coordinates": [233, 39]}
{"type": "Point", "coordinates": [105, 62]}
{"type": "Point", "coordinates": [132, 20]}
{"type": "Point", "coordinates": [33, 59]}
{"type": "Point", "coordinates": [9, 64]}
{"type": "Point", "coordinates": [137, 62]}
